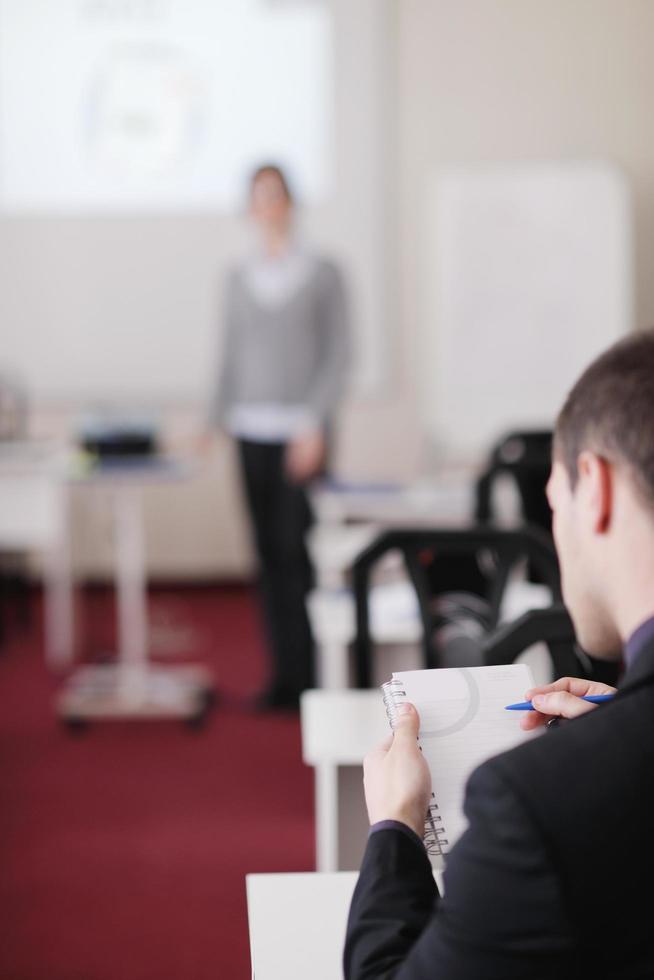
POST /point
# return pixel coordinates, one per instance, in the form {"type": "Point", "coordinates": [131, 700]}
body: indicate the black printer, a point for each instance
{"type": "Point", "coordinates": [112, 438]}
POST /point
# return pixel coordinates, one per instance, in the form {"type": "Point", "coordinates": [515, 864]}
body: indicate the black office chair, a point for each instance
{"type": "Point", "coordinates": [494, 552]}
{"type": "Point", "coordinates": [526, 457]}
{"type": "Point", "coordinates": [554, 628]}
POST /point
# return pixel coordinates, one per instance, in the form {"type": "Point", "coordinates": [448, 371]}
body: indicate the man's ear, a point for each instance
{"type": "Point", "coordinates": [595, 485]}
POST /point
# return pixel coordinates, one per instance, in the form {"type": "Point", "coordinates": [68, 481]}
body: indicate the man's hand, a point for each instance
{"type": "Point", "coordinates": [562, 699]}
{"type": "Point", "coordinates": [305, 456]}
{"type": "Point", "coordinates": [396, 776]}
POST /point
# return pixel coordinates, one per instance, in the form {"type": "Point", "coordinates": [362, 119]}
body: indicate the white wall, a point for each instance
{"type": "Point", "coordinates": [508, 81]}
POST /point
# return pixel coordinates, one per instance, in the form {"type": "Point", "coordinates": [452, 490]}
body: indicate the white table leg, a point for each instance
{"type": "Point", "coordinates": [333, 666]}
{"type": "Point", "coordinates": [132, 687]}
{"type": "Point", "coordinates": [59, 618]}
{"type": "Point", "coordinates": [326, 783]}
{"type": "Point", "coordinates": [131, 594]}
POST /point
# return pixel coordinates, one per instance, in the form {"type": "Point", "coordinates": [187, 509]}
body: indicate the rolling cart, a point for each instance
{"type": "Point", "coordinates": [132, 687]}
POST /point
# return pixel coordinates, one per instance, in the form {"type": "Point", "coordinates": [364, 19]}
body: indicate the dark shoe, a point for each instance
{"type": "Point", "coordinates": [277, 699]}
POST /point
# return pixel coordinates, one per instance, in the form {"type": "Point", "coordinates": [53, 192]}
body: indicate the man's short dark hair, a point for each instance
{"type": "Point", "coordinates": [610, 411]}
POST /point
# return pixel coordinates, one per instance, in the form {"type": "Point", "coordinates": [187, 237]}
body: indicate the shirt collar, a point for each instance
{"type": "Point", "coordinates": [640, 638]}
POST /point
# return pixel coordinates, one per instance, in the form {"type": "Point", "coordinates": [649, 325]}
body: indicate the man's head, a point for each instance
{"type": "Point", "coordinates": [602, 492]}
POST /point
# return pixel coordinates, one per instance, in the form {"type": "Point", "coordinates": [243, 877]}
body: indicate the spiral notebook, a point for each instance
{"type": "Point", "coordinates": [463, 722]}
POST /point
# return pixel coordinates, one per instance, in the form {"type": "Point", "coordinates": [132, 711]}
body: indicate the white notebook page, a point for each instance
{"type": "Point", "coordinates": [463, 722]}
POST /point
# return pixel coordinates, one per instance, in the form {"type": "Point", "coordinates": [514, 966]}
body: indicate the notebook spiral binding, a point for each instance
{"type": "Point", "coordinates": [434, 837]}
{"type": "Point", "coordinates": [394, 694]}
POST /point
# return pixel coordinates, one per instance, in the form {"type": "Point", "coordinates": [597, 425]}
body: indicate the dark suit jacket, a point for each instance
{"type": "Point", "coordinates": [554, 877]}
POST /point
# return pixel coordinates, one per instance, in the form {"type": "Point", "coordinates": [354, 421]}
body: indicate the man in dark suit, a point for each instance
{"type": "Point", "coordinates": [553, 877]}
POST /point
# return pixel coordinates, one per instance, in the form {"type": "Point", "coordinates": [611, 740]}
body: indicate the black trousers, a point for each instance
{"type": "Point", "coordinates": [281, 516]}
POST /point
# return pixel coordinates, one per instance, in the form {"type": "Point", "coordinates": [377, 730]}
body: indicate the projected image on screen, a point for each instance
{"type": "Point", "coordinates": [148, 114]}
{"type": "Point", "coordinates": [159, 104]}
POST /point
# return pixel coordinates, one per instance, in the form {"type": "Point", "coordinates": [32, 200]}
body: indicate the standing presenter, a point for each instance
{"type": "Point", "coordinates": [283, 371]}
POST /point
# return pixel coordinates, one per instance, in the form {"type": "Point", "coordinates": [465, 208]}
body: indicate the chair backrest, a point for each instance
{"type": "Point", "coordinates": [526, 456]}
{"type": "Point", "coordinates": [555, 629]}
{"type": "Point", "coordinates": [503, 549]}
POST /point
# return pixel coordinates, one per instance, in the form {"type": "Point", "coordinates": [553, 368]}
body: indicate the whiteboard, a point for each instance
{"type": "Point", "coordinates": [531, 276]}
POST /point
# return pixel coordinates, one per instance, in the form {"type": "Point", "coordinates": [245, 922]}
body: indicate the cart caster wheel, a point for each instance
{"type": "Point", "coordinates": [197, 722]}
{"type": "Point", "coordinates": [76, 726]}
{"type": "Point", "coordinates": [209, 698]}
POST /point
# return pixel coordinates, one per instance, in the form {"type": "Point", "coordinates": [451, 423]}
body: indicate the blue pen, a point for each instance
{"type": "Point", "coordinates": [528, 706]}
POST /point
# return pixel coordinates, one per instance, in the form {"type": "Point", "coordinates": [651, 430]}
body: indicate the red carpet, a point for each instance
{"type": "Point", "coordinates": [124, 850]}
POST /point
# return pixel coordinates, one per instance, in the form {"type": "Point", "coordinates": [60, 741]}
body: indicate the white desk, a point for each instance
{"type": "Point", "coordinates": [34, 517]}
{"type": "Point", "coordinates": [338, 729]}
{"type": "Point", "coordinates": [132, 688]}
{"type": "Point", "coordinates": [395, 627]}
{"type": "Point", "coordinates": [446, 499]}
{"type": "Point", "coordinates": [394, 610]}
{"type": "Point", "coordinates": [297, 924]}
{"type": "Point", "coordinates": [333, 549]}
{"type": "Point", "coordinates": [334, 544]}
